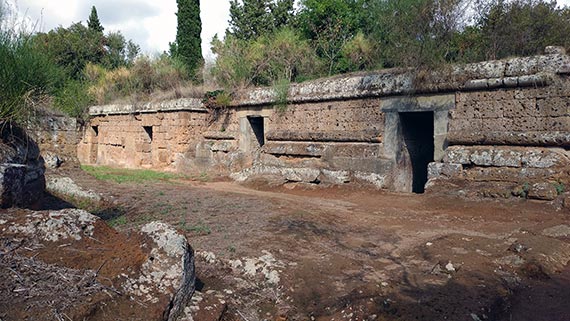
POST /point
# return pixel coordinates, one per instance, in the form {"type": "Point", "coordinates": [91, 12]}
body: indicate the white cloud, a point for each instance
{"type": "Point", "coordinates": [151, 25]}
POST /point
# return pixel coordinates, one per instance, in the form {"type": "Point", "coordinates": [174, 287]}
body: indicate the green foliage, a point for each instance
{"type": "Point", "coordinates": [188, 44]}
{"type": "Point", "coordinates": [119, 51]}
{"type": "Point", "coordinates": [560, 188]}
{"type": "Point", "coordinates": [417, 33]}
{"type": "Point", "coordinates": [93, 22]}
{"type": "Point", "coordinates": [233, 68]}
{"type": "Point", "coordinates": [117, 221]}
{"type": "Point", "coordinates": [73, 99]}
{"type": "Point", "coordinates": [330, 24]}
{"type": "Point", "coordinates": [250, 19]}
{"type": "Point", "coordinates": [120, 175]}
{"type": "Point", "coordinates": [282, 55]}
{"type": "Point", "coordinates": [26, 75]}
{"type": "Point", "coordinates": [199, 229]}
{"type": "Point", "coordinates": [145, 77]}
{"type": "Point", "coordinates": [521, 27]}
{"type": "Point", "coordinates": [359, 53]}
{"type": "Point", "coordinates": [72, 48]}
{"type": "Point", "coordinates": [281, 88]}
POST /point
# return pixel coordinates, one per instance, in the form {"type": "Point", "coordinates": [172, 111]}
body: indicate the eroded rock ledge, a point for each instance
{"type": "Point", "coordinates": [69, 264]}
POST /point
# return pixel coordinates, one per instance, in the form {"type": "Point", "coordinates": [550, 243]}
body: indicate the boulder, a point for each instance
{"type": "Point", "coordinates": [65, 186]}
{"type": "Point", "coordinates": [22, 169]}
{"type": "Point", "coordinates": [71, 264]}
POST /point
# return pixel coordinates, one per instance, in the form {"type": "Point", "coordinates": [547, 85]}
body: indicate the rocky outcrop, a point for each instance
{"type": "Point", "coordinates": [22, 168]}
{"type": "Point", "coordinates": [66, 187]}
{"type": "Point", "coordinates": [70, 264]}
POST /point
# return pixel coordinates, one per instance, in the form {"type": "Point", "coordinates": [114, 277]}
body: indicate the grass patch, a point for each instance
{"type": "Point", "coordinates": [117, 221]}
{"type": "Point", "coordinates": [199, 229]}
{"type": "Point", "coordinates": [122, 175]}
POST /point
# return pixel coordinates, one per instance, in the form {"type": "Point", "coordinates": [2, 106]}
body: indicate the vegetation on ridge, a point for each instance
{"type": "Point", "coordinates": [268, 43]}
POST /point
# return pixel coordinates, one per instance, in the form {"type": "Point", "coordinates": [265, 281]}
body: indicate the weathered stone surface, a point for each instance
{"type": "Point", "coordinates": [368, 136]}
{"type": "Point", "coordinates": [542, 191]}
{"type": "Point", "coordinates": [377, 180]}
{"type": "Point", "coordinates": [65, 186]}
{"type": "Point", "coordinates": [557, 231]}
{"type": "Point", "coordinates": [154, 267]}
{"type": "Point", "coordinates": [22, 181]}
{"type": "Point", "coordinates": [170, 268]}
{"type": "Point", "coordinates": [307, 175]}
{"type": "Point", "coordinates": [482, 157]}
{"type": "Point", "coordinates": [495, 121]}
{"type": "Point", "coordinates": [436, 170]}
{"type": "Point", "coordinates": [52, 160]}
{"type": "Point", "coordinates": [555, 50]}
{"type": "Point", "coordinates": [57, 137]}
{"type": "Point", "coordinates": [336, 177]}
{"type": "Point", "coordinates": [191, 104]}
{"type": "Point", "coordinates": [56, 226]}
{"type": "Point", "coordinates": [504, 156]}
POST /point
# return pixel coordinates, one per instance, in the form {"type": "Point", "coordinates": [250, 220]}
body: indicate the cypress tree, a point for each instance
{"type": "Point", "coordinates": [188, 43]}
{"type": "Point", "coordinates": [93, 22]}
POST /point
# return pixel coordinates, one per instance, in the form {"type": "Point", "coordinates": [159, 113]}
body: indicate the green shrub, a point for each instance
{"type": "Point", "coordinates": [27, 76]}
{"type": "Point", "coordinates": [73, 99]}
{"type": "Point", "coordinates": [281, 88]}
{"type": "Point", "coordinates": [261, 62]}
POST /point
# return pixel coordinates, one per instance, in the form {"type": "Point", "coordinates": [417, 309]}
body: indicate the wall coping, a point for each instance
{"type": "Point", "coordinates": [508, 73]}
{"type": "Point", "coordinates": [182, 104]}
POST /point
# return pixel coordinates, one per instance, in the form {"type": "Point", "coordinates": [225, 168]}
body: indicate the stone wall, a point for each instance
{"type": "Point", "coordinates": [379, 128]}
{"type": "Point", "coordinates": [57, 137]}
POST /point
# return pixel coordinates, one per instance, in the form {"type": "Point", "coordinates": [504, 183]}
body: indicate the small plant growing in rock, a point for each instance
{"type": "Point", "coordinates": [560, 188]}
{"type": "Point", "coordinates": [281, 89]}
{"type": "Point", "coordinates": [522, 190]}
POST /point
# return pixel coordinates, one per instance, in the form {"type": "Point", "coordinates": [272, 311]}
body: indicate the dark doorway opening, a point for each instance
{"type": "Point", "coordinates": [95, 130]}
{"type": "Point", "coordinates": [148, 130]}
{"type": "Point", "coordinates": [417, 129]}
{"type": "Point", "coordinates": [257, 125]}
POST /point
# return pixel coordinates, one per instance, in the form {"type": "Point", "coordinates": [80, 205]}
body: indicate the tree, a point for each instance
{"type": "Point", "coordinates": [250, 19]}
{"type": "Point", "coordinates": [93, 22]}
{"type": "Point", "coordinates": [330, 24]}
{"type": "Point", "coordinates": [188, 44]}
{"type": "Point", "coordinates": [522, 27]}
{"type": "Point", "coordinates": [284, 55]}
{"type": "Point", "coordinates": [72, 48]}
{"type": "Point", "coordinates": [417, 33]}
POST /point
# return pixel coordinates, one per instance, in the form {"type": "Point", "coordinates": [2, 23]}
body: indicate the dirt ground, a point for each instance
{"type": "Point", "coordinates": [297, 253]}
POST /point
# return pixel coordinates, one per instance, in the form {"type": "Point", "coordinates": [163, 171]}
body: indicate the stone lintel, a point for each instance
{"type": "Point", "coordinates": [419, 103]}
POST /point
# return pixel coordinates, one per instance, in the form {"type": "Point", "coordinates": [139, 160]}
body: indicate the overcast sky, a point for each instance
{"type": "Point", "coordinates": [149, 23]}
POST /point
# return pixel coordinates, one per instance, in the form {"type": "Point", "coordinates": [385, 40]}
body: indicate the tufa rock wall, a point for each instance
{"type": "Point", "coordinates": [22, 181]}
{"type": "Point", "coordinates": [384, 128]}
{"type": "Point", "coordinates": [57, 137]}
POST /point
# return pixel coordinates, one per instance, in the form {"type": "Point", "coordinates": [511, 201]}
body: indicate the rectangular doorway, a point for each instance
{"type": "Point", "coordinates": [257, 125]}
{"type": "Point", "coordinates": [418, 136]}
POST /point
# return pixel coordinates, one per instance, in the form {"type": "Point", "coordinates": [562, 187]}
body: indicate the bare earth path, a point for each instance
{"type": "Point", "coordinates": [350, 254]}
